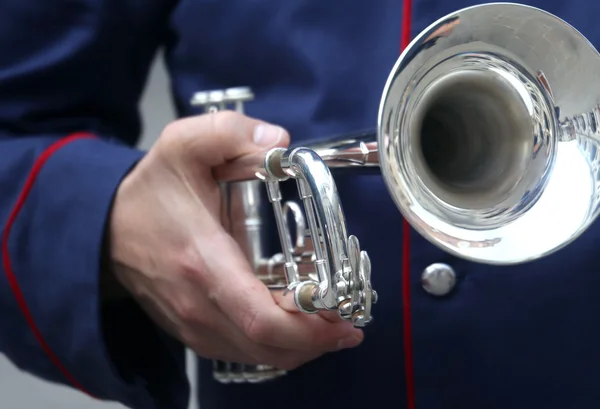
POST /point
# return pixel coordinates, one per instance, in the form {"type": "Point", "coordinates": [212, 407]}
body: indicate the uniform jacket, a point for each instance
{"type": "Point", "coordinates": [71, 75]}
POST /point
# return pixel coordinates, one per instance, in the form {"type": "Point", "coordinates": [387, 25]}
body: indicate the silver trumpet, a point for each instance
{"type": "Point", "coordinates": [487, 140]}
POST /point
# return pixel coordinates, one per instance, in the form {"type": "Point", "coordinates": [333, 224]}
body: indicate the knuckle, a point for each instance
{"type": "Point", "coordinates": [172, 136]}
{"type": "Point", "coordinates": [214, 123]}
{"type": "Point", "coordinates": [228, 124]}
{"type": "Point", "coordinates": [172, 129]}
{"type": "Point", "coordinates": [186, 310]}
{"type": "Point", "coordinates": [224, 119]}
{"type": "Point", "coordinates": [187, 270]}
{"type": "Point", "coordinates": [189, 338]}
{"type": "Point", "coordinates": [171, 144]}
{"type": "Point", "coordinates": [256, 327]}
{"type": "Point", "coordinates": [188, 264]}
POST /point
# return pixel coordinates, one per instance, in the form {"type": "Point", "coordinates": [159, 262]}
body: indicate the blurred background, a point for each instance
{"type": "Point", "coordinates": [19, 390]}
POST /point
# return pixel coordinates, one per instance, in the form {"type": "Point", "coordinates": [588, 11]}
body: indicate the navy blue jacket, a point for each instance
{"type": "Point", "coordinates": [71, 75]}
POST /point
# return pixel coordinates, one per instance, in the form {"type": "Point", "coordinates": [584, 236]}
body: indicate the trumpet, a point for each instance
{"type": "Point", "coordinates": [487, 129]}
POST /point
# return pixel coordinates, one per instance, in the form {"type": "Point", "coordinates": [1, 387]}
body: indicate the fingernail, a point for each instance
{"type": "Point", "coordinates": [349, 342]}
{"type": "Point", "coordinates": [267, 135]}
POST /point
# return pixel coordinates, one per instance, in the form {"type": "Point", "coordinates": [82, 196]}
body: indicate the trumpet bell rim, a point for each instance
{"type": "Point", "coordinates": [543, 135]}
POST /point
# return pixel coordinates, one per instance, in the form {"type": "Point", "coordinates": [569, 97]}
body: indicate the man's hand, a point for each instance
{"type": "Point", "coordinates": [170, 251]}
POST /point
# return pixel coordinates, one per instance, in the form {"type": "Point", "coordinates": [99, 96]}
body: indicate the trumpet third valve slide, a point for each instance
{"type": "Point", "coordinates": [487, 126]}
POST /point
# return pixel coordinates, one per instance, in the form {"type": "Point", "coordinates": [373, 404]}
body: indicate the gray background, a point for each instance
{"type": "Point", "coordinates": [20, 390]}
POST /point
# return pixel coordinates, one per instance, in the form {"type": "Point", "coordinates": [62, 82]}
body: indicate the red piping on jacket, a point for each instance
{"type": "Point", "coordinates": [406, 311]}
{"type": "Point", "coordinates": [11, 276]}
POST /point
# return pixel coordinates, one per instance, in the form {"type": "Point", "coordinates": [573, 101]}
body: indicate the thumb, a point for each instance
{"type": "Point", "coordinates": [217, 138]}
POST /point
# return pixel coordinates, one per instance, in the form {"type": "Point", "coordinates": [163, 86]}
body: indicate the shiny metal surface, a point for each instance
{"type": "Point", "coordinates": [438, 279]}
{"type": "Point", "coordinates": [358, 151]}
{"type": "Point", "coordinates": [487, 129]}
{"type": "Point", "coordinates": [334, 274]}
{"type": "Point", "coordinates": [513, 92]}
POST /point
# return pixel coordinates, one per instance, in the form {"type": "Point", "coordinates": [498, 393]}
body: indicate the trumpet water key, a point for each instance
{"type": "Point", "coordinates": [487, 130]}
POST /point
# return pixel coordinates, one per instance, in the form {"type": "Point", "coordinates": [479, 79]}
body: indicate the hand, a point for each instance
{"type": "Point", "coordinates": [170, 251]}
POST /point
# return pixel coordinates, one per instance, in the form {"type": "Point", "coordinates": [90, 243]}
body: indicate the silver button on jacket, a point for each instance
{"type": "Point", "coordinates": [438, 279]}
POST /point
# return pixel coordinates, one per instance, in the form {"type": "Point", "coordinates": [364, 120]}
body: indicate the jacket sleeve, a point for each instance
{"type": "Point", "coordinates": [66, 108]}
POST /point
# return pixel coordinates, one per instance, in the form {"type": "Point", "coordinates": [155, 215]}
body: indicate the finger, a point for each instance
{"type": "Point", "coordinates": [212, 346]}
{"type": "Point", "coordinates": [217, 138]}
{"type": "Point", "coordinates": [202, 327]}
{"type": "Point", "coordinates": [331, 316]}
{"type": "Point", "coordinates": [217, 337]}
{"type": "Point", "coordinates": [250, 305]}
{"type": "Point", "coordinates": [250, 352]}
{"type": "Point", "coordinates": [276, 327]}
{"type": "Point", "coordinates": [287, 303]}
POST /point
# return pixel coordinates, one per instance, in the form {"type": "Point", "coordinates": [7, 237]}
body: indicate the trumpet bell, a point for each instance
{"type": "Point", "coordinates": [487, 133]}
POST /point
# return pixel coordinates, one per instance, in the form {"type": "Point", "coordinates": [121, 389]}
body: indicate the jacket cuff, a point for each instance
{"type": "Point", "coordinates": [55, 242]}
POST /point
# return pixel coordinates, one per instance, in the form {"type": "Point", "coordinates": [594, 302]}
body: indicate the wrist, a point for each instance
{"type": "Point", "coordinates": [112, 261]}
{"type": "Point", "coordinates": [110, 287]}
